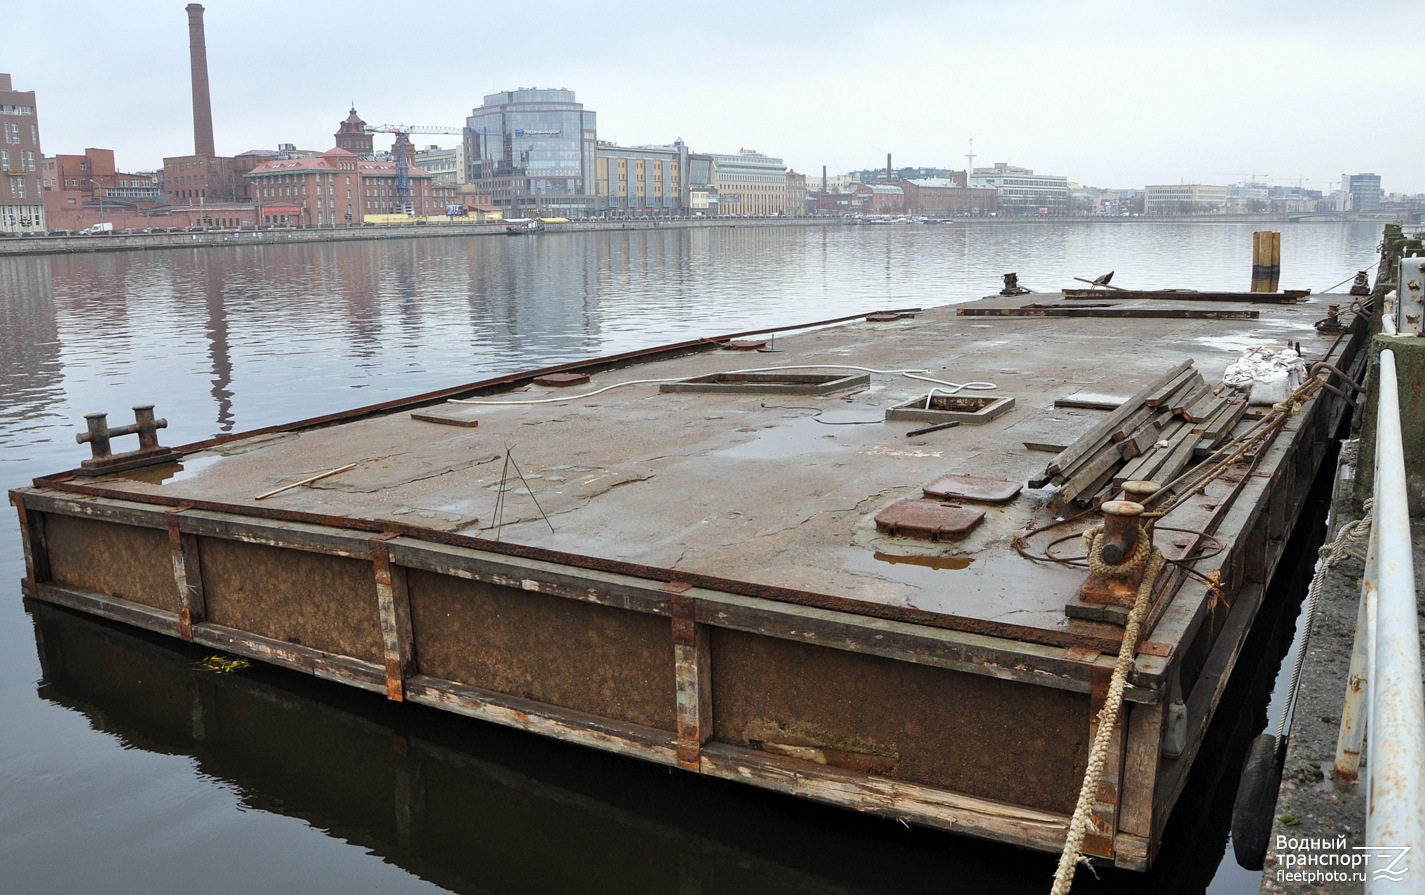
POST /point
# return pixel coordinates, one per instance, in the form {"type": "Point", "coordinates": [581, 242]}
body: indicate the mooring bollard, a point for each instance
{"type": "Point", "coordinates": [99, 435]}
{"type": "Point", "coordinates": [1141, 492]}
{"type": "Point", "coordinates": [1117, 558]}
{"type": "Point", "coordinates": [1120, 530]}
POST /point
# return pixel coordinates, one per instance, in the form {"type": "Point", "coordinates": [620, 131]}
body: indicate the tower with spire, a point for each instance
{"type": "Point", "coordinates": [351, 135]}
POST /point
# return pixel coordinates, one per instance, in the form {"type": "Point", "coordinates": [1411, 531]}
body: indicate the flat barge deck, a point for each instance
{"type": "Point", "coordinates": [714, 569]}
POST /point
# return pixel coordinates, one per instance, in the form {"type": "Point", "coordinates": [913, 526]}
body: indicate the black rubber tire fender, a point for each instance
{"type": "Point", "coordinates": [1256, 802]}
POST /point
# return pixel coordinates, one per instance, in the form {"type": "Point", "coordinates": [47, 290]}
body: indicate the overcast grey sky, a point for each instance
{"type": "Point", "coordinates": [1110, 93]}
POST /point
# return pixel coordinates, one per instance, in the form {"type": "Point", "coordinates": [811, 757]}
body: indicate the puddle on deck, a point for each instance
{"type": "Point", "coordinates": [794, 437]}
{"type": "Point", "coordinates": [953, 563]}
{"type": "Point", "coordinates": [170, 473]}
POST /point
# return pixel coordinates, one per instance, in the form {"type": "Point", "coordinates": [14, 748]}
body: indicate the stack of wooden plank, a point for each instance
{"type": "Point", "coordinates": [1155, 435]}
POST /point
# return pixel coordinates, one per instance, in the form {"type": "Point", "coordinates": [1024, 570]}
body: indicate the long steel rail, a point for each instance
{"type": "Point", "coordinates": [1384, 687]}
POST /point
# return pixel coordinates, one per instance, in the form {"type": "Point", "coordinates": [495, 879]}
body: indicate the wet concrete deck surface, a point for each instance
{"type": "Point", "coordinates": [775, 489]}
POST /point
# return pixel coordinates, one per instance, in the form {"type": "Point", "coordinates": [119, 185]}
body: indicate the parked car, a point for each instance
{"type": "Point", "coordinates": [61, 232]}
{"type": "Point", "coordinates": [153, 229]}
{"type": "Point", "coordinates": [175, 230]}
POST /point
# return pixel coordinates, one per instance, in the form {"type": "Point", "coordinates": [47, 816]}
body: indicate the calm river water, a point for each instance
{"type": "Point", "coordinates": [124, 769]}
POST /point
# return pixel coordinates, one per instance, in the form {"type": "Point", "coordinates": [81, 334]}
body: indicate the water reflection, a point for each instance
{"type": "Point", "coordinates": [31, 368]}
{"type": "Point", "coordinates": [475, 808]}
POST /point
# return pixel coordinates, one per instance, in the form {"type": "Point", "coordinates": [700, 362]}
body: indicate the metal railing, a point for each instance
{"type": "Point", "coordinates": [1384, 687]}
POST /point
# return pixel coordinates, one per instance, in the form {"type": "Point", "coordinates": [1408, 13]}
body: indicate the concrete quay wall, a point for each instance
{"type": "Point", "coordinates": [64, 245]}
{"type": "Point", "coordinates": [1312, 808]}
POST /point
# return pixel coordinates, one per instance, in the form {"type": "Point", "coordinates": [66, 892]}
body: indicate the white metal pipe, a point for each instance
{"type": "Point", "coordinates": [1395, 812]}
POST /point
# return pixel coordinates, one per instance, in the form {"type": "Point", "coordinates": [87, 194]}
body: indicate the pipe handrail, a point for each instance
{"type": "Point", "coordinates": [1386, 670]}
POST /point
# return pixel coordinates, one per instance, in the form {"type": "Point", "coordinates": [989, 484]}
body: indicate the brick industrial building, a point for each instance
{"type": "Point", "coordinates": [22, 204]}
{"type": "Point", "coordinates": [337, 189]}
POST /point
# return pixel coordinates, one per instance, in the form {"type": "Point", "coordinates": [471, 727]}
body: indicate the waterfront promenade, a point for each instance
{"type": "Point", "coordinates": [1333, 812]}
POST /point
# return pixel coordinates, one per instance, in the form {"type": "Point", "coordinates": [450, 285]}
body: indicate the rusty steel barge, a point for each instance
{"type": "Point", "coordinates": [779, 566]}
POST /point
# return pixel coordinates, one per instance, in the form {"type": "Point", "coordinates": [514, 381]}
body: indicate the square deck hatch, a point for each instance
{"type": "Point", "coordinates": [770, 383]}
{"type": "Point", "coordinates": [973, 487]}
{"type": "Point", "coordinates": [931, 520]}
{"type": "Point", "coordinates": [963, 409]}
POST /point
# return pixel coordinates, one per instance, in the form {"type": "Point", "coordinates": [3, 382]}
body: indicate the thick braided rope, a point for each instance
{"type": "Point", "coordinates": [1107, 719]}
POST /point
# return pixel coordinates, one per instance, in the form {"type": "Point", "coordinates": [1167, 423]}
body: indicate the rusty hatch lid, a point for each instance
{"type": "Point", "coordinates": [973, 487]}
{"type": "Point", "coordinates": [929, 519]}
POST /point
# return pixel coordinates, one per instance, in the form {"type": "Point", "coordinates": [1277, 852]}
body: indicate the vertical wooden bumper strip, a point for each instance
{"type": "Point", "coordinates": [32, 537]}
{"type": "Point", "coordinates": [394, 606]}
{"type": "Point", "coordinates": [187, 574]}
{"type": "Point", "coordinates": [692, 657]}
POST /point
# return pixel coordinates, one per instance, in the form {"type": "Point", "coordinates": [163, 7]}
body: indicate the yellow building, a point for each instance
{"type": "Point", "coordinates": [750, 183]}
{"type": "Point", "coordinates": [641, 180]}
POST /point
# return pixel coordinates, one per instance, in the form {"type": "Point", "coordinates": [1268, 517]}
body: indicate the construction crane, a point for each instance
{"type": "Point", "coordinates": [402, 151]}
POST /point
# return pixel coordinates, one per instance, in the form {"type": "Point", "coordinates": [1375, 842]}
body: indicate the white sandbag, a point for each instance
{"type": "Point", "coordinates": [1269, 374]}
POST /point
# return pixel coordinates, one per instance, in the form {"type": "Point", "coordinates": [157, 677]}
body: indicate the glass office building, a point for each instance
{"type": "Point", "coordinates": [533, 152]}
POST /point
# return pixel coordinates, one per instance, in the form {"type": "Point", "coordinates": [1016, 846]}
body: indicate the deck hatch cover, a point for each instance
{"type": "Point", "coordinates": [769, 383]}
{"type": "Point", "coordinates": [562, 380]}
{"type": "Point", "coordinates": [928, 519]}
{"type": "Point", "coordinates": [973, 487]}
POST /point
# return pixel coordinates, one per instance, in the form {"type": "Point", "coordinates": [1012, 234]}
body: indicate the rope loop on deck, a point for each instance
{"type": "Point", "coordinates": [1072, 855]}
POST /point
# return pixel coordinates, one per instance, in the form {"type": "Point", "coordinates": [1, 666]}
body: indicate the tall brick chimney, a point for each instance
{"type": "Point", "coordinates": [202, 106]}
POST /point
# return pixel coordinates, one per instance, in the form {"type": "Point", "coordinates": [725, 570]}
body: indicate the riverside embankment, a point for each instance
{"type": "Point", "coordinates": [122, 242]}
{"type": "Point", "coordinates": [118, 242]}
{"type": "Point", "coordinates": [1319, 835]}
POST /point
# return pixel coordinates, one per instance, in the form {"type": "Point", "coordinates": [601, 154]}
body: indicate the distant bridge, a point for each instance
{"type": "Point", "coordinates": [1408, 217]}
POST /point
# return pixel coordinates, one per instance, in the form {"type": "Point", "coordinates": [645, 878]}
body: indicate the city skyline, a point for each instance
{"type": "Point", "coordinates": [1103, 92]}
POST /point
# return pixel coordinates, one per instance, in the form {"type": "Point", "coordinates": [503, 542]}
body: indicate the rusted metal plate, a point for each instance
{"type": "Point", "coordinates": [323, 602]}
{"type": "Point", "coordinates": [973, 487]}
{"type": "Point", "coordinates": [929, 519]}
{"type": "Point", "coordinates": [580, 656]}
{"type": "Point", "coordinates": [1287, 297]}
{"type": "Point", "coordinates": [827, 707]}
{"type": "Point", "coordinates": [771, 383]}
{"type": "Point", "coordinates": [887, 316]}
{"type": "Point", "coordinates": [562, 380]}
{"type": "Point", "coordinates": [116, 560]}
{"type": "Point", "coordinates": [1124, 313]}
